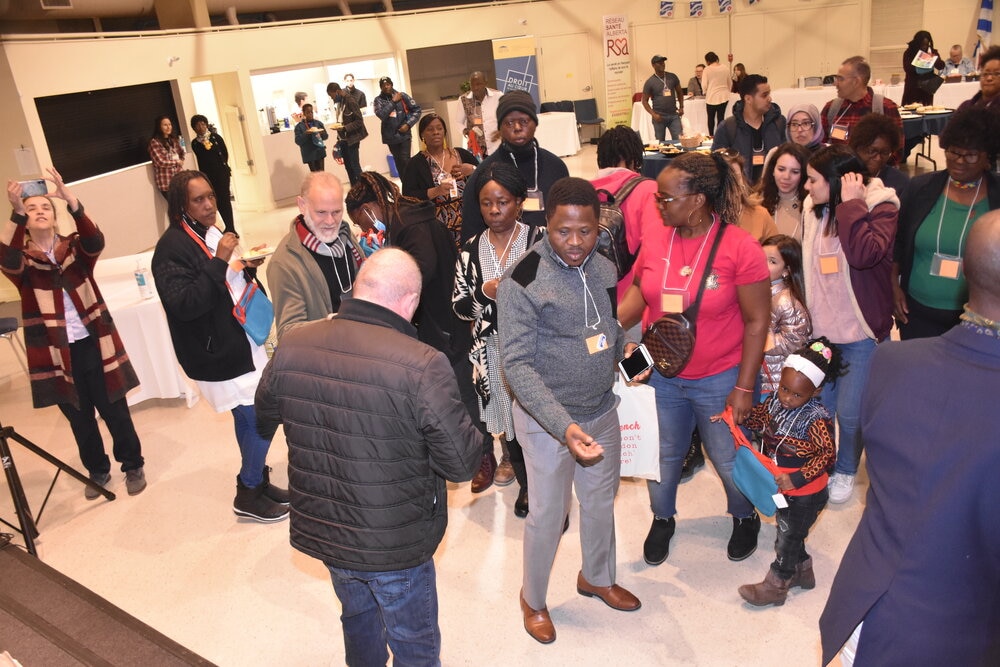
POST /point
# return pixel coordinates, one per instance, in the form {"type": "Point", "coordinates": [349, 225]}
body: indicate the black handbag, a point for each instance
{"type": "Point", "coordinates": [670, 339]}
{"type": "Point", "coordinates": [929, 82]}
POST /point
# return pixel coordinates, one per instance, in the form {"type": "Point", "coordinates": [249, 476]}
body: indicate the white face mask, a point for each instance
{"type": "Point", "coordinates": [379, 225]}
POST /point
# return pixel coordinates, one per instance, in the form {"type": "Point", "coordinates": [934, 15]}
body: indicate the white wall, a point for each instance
{"type": "Point", "coordinates": [40, 67]}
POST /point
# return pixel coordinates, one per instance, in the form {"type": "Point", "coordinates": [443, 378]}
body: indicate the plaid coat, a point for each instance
{"type": "Point", "coordinates": [41, 283]}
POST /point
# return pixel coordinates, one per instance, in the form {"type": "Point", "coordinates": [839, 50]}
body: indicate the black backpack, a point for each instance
{"type": "Point", "coordinates": [611, 239]}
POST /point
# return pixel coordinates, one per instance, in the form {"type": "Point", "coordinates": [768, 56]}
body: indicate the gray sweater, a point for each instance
{"type": "Point", "coordinates": [543, 337]}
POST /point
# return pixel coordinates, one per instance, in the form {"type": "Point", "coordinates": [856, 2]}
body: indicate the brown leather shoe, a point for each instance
{"type": "Point", "coordinates": [538, 623]}
{"type": "Point", "coordinates": [484, 478]}
{"type": "Point", "coordinates": [614, 595]}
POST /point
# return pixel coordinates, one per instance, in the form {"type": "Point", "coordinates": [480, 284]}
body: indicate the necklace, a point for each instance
{"type": "Point", "coordinates": [980, 322]}
{"type": "Point", "coordinates": [965, 227]}
{"type": "Point", "coordinates": [965, 186]}
{"type": "Point", "coordinates": [688, 269]}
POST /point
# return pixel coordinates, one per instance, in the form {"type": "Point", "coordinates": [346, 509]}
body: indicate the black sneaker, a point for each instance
{"type": "Point", "coordinates": [744, 539]}
{"type": "Point", "coordinates": [656, 548]}
{"type": "Point", "coordinates": [275, 493]}
{"type": "Point", "coordinates": [252, 503]}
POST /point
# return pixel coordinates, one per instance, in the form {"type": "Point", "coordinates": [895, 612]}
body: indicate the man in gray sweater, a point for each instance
{"type": "Point", "coordinates": [560, 343]}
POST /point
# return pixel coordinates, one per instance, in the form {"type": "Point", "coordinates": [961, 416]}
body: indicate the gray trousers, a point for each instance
{"type": "Point", "coordinates": [552, 473]}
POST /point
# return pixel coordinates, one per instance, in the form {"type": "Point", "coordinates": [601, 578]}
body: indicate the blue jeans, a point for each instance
{"type": "Point", "coordinates": [253, 448]}
{"type": "Point", "coordinates": [397, 608]}
{"type": "Point", "coordinates": [680, 405]}
{"type": "Point", "coordinates": [843, 399]}
{"type": "Point", "coordinates": [671, 121]}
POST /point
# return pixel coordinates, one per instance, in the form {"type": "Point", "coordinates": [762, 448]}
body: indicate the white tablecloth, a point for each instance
{"type": "Point", "coordinates": [557, 133]}
{"type": "Point", "coordinates": [142, 325]}
{"type": "Point", "coordinates": [694, 120]}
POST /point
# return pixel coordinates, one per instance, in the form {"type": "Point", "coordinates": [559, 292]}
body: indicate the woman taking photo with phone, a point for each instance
{"type": "Point", "coordinates": [76, 359]}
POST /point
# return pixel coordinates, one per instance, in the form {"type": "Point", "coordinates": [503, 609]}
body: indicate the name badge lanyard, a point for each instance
{"type": "Point", "coordinates": [687, 270]}
{"type": "Point", "coordinates": [836, 127]}
{"type": "Point", "coordinates": [939, 257]}
{"type": "Point", "coordinates": [588, 296]}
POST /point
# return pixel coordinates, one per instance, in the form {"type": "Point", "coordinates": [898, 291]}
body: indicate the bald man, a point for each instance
{"type": "Point", "coordinates": [314, 267]}
{"type": "Point", "coordinates": [479, 114]}
{"type": "Point", "coordinates": [375, 428]}
{"type": "Point", "coordinates": [919, 583]}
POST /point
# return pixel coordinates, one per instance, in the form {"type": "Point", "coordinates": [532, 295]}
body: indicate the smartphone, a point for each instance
{"type": "Point", "coordinates": [34, 188]}
{"type": "Point", "coordinates": [638, 363]}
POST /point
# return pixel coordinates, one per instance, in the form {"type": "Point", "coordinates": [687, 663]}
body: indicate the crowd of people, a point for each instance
{"type": "Point", "coordinates": [476, 307]}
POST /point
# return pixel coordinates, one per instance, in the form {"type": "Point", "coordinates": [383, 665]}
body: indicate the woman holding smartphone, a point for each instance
{"type": "Point", "coordinates": [76, 359]}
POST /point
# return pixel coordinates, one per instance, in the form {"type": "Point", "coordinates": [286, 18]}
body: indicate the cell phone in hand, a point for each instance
{"type": "Point", "coordinates": [34, 188]}
{"type": "Point", "coordinates": [637, 364]}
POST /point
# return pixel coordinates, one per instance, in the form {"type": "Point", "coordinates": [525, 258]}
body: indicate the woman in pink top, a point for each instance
{"type": "Point", "coordinates": [716, 81]}
{"type": "Point", "coordinates": [699, 196]}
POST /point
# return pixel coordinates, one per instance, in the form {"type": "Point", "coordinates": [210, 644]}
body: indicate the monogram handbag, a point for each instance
{"type": "Point", "coordinates": [670, 339]}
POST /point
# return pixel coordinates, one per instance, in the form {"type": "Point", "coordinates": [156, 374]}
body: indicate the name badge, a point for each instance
{"type": "Point", "coordinates": [533, 202]}
{"type": "Point", "coordinates": [839, 132]}
{"type": "Point", "coordinates": [597, 343]}
{"type": "Point", "coordinates": [477, 120]}
{"type": "Point", "coordinates": [758, 159]}
{"type": "Point", "coordinates": [667, 92]}
{"type": "Point", "coordinates": [780, 501]}
{"type": "Point", "coordinates": [829, 264]}
{"type": "Point", "coordinates": [673, 302]}
{"type": "Point", "coordinates": [946, 266]}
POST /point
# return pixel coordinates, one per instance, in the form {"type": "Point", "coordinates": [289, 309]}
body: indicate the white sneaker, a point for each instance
{"type": "Point", "coordinates": [841, 487]}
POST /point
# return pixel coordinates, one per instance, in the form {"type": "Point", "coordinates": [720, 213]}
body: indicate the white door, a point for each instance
{"type": "Point", "coordinates": [564, 68]}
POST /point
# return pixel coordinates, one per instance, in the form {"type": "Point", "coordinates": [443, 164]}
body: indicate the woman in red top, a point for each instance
{"type": "Point", "coordinates": [699, 197]}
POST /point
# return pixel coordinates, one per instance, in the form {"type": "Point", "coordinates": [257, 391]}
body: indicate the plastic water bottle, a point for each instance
{"type": "Point", "coordinates": [144, 280]}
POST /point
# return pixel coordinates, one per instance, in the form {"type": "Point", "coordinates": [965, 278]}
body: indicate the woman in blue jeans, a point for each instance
{"type": "Point", "coordinates": [849, 224]}
{"type": "Point", "coordinates": [698, 196]}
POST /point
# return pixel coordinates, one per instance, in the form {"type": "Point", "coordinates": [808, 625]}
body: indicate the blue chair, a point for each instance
{"type": "Point", "coordinates": [8, 330]}
{"type": "Point", "coordinates": [586, 114]}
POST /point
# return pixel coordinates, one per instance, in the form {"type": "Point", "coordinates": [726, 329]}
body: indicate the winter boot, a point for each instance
{"type": "Point", "coordinates": [803, 577]}
{"type": "Point", "coordinates": [275, 493]}
{"type": "Point", "coordinates": [773, 590]}
{"type": "Point", "coordinates": [251, 503]}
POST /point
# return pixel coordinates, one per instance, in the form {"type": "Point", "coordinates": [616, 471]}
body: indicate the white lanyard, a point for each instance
{"type": "Point", "coordinates": [498, 261]}
{"type": "Point", "coordinates": [968, 216]}
{"type": "Point", "coordinates": [689, 269]}
{"type": "Point", "coordinates": [514, 160]}
{"type": "Point", "coordinates": [586, 294]}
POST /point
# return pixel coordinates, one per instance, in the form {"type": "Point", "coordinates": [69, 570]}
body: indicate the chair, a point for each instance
{"type": "Point", "coordinates": [586, 114]}
{"type": "Point", "coordinates": [548, 106]}
{"type": "Point", "coordinates": [565, 106]}
{"type": "Point", "coordinates": [8, 330]}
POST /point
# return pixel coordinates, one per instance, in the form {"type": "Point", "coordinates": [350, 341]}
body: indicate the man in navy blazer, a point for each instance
{"type": "Point", "coordinates": [922, 572]}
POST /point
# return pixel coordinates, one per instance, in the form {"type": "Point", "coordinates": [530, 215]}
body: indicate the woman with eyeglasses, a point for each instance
{"type": "Point", "coordinates": [804, 127]}
{"type": "Point", "coordinates": [699, 198]}
{"type": "Point", "coordinates": [929, 287]}
{"type": "Point", "coordinates": [850, 226]}
{"type": "Point", "coordinates": [875, 138]}
{"type": "Point", "coordinates": [989, 82]}
{"type": "Point", "coordinates": [783, 188]}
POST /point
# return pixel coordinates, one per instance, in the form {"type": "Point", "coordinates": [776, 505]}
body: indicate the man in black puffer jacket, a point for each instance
{"type": "Point", "coordinates": [375, 427]}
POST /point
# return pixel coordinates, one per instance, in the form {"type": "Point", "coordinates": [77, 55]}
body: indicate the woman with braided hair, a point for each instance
{"type": "Point", "coordinates": [699, 199]}
{"type": "Point", "coordinates": [376, 205]}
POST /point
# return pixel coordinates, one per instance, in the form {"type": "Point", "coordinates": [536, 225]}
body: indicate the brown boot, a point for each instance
{"type": "Point", "coordinates": [773, 590]}
{"type": "Point", "coordinates": [803, 577]}
{"type": "Point", "coordinates": [484, 478]}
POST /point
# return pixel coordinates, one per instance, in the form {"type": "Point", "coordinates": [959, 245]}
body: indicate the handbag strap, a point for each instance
{"type": "Point", "coordinates": [691, 312]}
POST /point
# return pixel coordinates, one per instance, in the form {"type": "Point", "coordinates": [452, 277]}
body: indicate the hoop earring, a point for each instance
{"type": "Point", "coordinates": [700, 222]}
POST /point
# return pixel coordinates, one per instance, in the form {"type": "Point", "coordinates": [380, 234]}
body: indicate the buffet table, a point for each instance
{"type": "Point", "coordinates": [142, 325]}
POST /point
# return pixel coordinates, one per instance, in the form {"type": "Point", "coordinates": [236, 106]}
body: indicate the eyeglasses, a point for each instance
{"type": "Point", "coordinates": [511, 123]}
{"type": "Point", "coordinates": [869, 153]}
{"type": "Point", "coordinates": [802, 125]}
{"type": "Point", "coordinates": [662, 199]}
{"type": "Point", "coordinates": [968, 158]}
{"type": "Point", "coordinates": [989, 74]}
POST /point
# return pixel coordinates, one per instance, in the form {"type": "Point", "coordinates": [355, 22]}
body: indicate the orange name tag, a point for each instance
{"type": "Point", "coordinates": [838, 132]}
{"type": "Point", "coordinates": [829, 264]}
{"type": "Point", "coordinates": [758, 160]}
{"type": "Point", "coordinates": [949, 268]}
{"type": "Point", "coordinates": [672, 303]}
{"type": "Point", "coordinates": [597, 343]}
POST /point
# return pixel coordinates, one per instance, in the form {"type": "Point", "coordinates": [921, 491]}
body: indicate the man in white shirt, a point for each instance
{"type": "Point", "coordinates": [479, 115]}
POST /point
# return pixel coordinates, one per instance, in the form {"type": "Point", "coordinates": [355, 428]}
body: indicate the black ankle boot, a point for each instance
{"type": "Point", "coordinates": [521, 504]}
{"type": "Point", "coordinates": [275, 493]}
{"type": "Point", "coordinates": [744, 539]}
{"type": "Point", "coordinates": [250, 502]}
{"type": "Point", "coordinates": [656, 548]}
